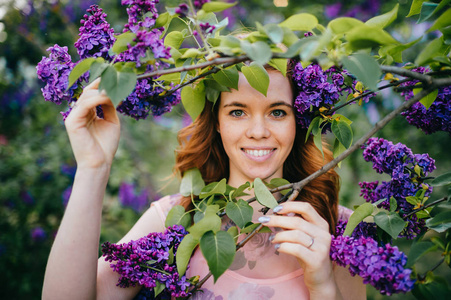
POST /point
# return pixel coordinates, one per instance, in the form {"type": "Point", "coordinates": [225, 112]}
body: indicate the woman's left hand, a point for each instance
{"type": "Point", "coordinates": [306, 236]}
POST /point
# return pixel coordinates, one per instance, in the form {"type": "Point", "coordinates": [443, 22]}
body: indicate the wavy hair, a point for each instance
{"type": "Point", "coordinates": [201, 147]}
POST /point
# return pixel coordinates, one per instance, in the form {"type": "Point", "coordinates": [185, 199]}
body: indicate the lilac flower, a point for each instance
{"type": "Point", "coordinates": [27, 197]}
{"type": "Point", "coordinates": [145, 261]}
{"type": "Point", "coordinates": [66, 195]}
{"type": "Point", "coordinates": [38, 234]}
{"type": "Point", "coordinates": [96, 36]}
{"type": "Point", "coordinates": [199, 3]}
{"type": "Point", "coordinates": [437, 117]}
{"type": "Point", "coordinates": [207, 28]}
{"type": "Point", "coordinates": [141, 13]}
{"type": "Point", "coordinates": [399, 162]}
{"type": "Point", "coordinates": [182, 10]}
{"type": "Point", "coordinates": [129, 198]}
{"type": "Point", "coordinates": [382, 266]}
{"type": "Point", "coordinates": [54, 71]}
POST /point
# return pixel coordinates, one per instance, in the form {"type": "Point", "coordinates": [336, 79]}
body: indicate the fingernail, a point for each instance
{"type": "Point", "coordinates": [271, 237]}
{"type": "Point", "coordinates": [276, 246]}
{"type": "Point", "coordinates": [291, 214]}
{"type": "Point", "coordinates": [264, 219]}
{"type": "Point", "coordinates": [277, 208]}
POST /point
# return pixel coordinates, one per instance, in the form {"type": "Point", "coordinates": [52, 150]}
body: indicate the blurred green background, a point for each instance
{"type": "Point", "coordinates": [37, 165]}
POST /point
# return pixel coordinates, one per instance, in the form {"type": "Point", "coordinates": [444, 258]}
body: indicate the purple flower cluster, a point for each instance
{"type": "Point", "coordinates": [54, 71]}
{"type": "Point", "coordinates": [149, 260]}
{"type": "Point", "coordinates": [199, 3]}
{"type": "Point", "coordinates": [316, 88]}
{"type": "Point", "coordinates": [96, 36]}
{"type": "Point", "coordinates": [129, 198]}
{"type": "Point", "coordinates": [437, 117]}
{"type": "Point", "coordinates": [141, 13]}
{"type": "Point", "coordinates": [362, 11]}
{"type": "Point", "coordinates": [381, 266]}
{"type": "Point", "coordinates": [399, 162]}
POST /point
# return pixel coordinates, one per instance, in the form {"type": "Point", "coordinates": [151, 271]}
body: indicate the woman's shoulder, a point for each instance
{"type": "Point", "coordinates": [164, 204]}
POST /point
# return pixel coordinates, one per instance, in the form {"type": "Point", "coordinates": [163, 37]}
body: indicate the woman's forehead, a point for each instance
{"type": "Point", "coordinates": [279, 89]}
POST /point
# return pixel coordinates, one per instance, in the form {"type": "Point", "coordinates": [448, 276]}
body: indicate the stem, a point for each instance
{"type": "Point", "coordinates": [204, 41]}
{"type": "Point", "coordinates": [423, 277]}
{"type": "Point", "coordinates": [155, 269]}
{"type": "Point", "coordinates": [425, 206]}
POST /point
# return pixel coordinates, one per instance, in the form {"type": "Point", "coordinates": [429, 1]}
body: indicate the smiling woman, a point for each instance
{"type": "Point", "coordinates": [245, 135]}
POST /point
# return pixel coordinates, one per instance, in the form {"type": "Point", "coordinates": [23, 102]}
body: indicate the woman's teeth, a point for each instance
{"type": "Point", "coordinates": [258, 153]}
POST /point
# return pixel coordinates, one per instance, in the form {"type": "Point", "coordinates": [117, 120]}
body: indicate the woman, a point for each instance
{"type": "Point", "coordinates": [247, 135]}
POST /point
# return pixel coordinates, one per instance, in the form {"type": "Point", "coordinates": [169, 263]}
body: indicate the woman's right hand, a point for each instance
{"type": "Point", "coordinates": [94, 140]}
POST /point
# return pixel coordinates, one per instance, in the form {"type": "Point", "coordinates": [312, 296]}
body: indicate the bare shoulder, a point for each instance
{"type": "Point", "coordinates": [351, 287]}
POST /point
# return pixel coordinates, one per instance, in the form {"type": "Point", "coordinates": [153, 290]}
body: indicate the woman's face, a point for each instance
{"type": "Point", "coordinates": [257, 131]}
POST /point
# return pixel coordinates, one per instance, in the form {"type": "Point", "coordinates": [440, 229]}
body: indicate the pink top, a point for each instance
{"type": "Point", "coordinates": [258, 271]}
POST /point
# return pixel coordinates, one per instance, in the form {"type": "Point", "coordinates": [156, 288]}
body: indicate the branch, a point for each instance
{"type": "Point", "coordinates": [425, 206]}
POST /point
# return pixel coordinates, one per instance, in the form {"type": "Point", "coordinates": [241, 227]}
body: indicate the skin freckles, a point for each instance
{"type": "Point", "coordinates": [257, 131]}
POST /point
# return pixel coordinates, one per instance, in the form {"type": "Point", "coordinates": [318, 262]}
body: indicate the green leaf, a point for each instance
{"type": "Point", "coordinates": [193, 99]}
{"type": "Point", "coordinates": [192, 182]}
{"type": "Point", "coordinates": [219, 251]}
{"type": "Point", "coordinates": [263, 195]}
{"type": "Point", "coordinates": [294, 49]}
{"type": "Point", "coordinates": [228, 77]}
{"type": "Point", "coordinates": [318, 141]}
{"type": "Point", "coordinates": [184, 252]}
{"type": "Point", "coordinates": [233, 231]}
{"type": "Point", "coordinates": [390, 222]}
{"type": "Point", "coordinates": [211, 221]}
{"type": "Point", "coordinates": [279, 64]}
{"type": "Point", "coordinates": [365, 68]}
{"type": "Point", "coordinates": [434, 48]}
{"type": "Point", "coordinates": [274, 32]}
{"type": "Point", "coordinates": [415, 8]}
{"type": "Point", "coordinates": [443, 21]}
{"type": "Point", "coordinates": [276, 182]}
{"type": "Point", "coordinates": [191, 52]}
{"type": "Point", "coordinates": [240, 190]}
{"type": "Point", "coordinates": [427, 10]}
{"type": "Point", "coordinates": [343, 25]}
{"type": "Point", "coordinates": [429, 99]}
{"type": "Point", "coordinates": [413, 200]}
{"type": "Point", "coordinates": [163, 20]}
{"type": "Point", "coordinates": [444, 179]}
{"type": "Point", "coordinates": [417, 250]}
{"type": "Point", "coordinates": [249, 227]}
{"type": "Point", "coordinates": [384, 20]}
{"type": "Point", "coordinates": [365, 36]}
{"type": "Point", "coordinates": [441, 222]}
{"type": "Point", "coordinates": [122, 42]}
{"type": "Point", "coordinates": [97, 68]}
{"type": "Point", "coordinates": [158, 288]}
{"type": "Point", "coordinates": [301, 22]}
{"type": "Point", "coordinates": [313, 127]}
{"type": "Point", "coordinates": [338, 149]}
{"type": "Point", "coordinates": [177, 215]}
{"type": "Point", "coordinates": [118, 84]}
{"type": "Point", "coordinates": [361, 212]}
{"type": "Point", "coordinates": [239, 212]}
{"type": "Point", "coordinates": [218, 188]}
{"type": "Point", "coordinates": [343, 132]}
{"type": "Point", "coordinates": [174, 39]}
{"type": "Point", "coordinates": [393, 204]}
{"type": "Point", "coordinates": [257, 77]}
{"type": "Point", "coordinates": [216, 6]}
{"type": "Point", "coordinates": [259, 51]}
{"type": "Point", "coordinates": [81, 68]}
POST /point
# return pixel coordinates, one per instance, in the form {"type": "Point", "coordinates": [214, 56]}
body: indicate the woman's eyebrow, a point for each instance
{"type": "Point", "coordinates": [238, 104]}
{"type": "Point", "coordinates": [279, 103]}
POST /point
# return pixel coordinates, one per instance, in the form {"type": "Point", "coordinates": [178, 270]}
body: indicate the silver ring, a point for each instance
{"type": "Point", "coordinates": [311, 243]}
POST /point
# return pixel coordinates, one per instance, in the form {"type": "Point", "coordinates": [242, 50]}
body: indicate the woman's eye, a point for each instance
{"type": "Point", "coordinates": [278, 113]}
{"type": "Point", "coordinates": [237, 113]}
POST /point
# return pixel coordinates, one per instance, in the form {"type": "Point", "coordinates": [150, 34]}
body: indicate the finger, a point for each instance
{"type": "Point", "coordinates": [294, 222]}
{"type": "Point", "coordinates": [305, 210]}
{"type": "Point", "coordinates": [294, 236]}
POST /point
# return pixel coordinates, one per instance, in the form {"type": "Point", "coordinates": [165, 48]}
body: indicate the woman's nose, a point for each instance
{"type": "Point", "coordinates": [258, 128]}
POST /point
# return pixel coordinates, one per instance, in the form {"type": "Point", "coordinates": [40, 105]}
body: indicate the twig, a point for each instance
{"type": "Point", "coordinates": [425, 206]}
{"type": "Point", "coordinates": [423, 277]}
